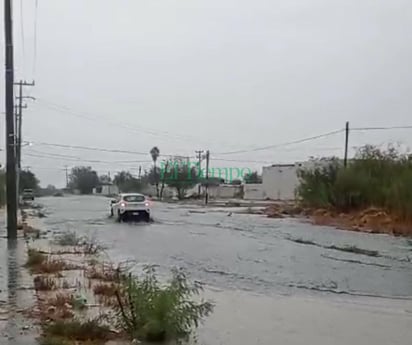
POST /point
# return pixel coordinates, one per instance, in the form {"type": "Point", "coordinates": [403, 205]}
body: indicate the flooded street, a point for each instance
{"type": "Point", "coordinates": [245, 252]}
{"type": "Point", "coordinates": [273, 280]}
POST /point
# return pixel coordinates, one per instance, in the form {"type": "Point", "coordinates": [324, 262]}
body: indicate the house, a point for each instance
{"type": "Point", "coordinates": [106, 189]}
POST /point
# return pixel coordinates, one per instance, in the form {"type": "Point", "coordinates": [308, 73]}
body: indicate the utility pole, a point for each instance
{"type": "Point", "coordinates": [345, 160]}
{"type": "Point", "coordinates": [199, 157]}
{"type": "Point", "coordinates": [66, 168]}
{"type": "Point", "coordinates": [207, 177]}
{"type": "Point", "coordinates": [140, 172]}
{"type": "Point", "coordinates": [19, 117]}
{"type": "Point", "coordinates": [11, 187]}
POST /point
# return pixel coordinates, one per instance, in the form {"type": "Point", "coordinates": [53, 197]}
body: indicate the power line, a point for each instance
{"type": "Point", "coordinates": [89, 148]}
{"type": "Point", "coordinates": [379, 128]}
{"type": "Point", "coordinates": [36, 8]}
{"type": "Point", "coordinates": [63, 157]}
{"type": "Point", "coordinates": [123, 125]}
{"type": "Point", "coordinates": [23, 51]}
{"type": "Point", "coordinates": [283, 144]}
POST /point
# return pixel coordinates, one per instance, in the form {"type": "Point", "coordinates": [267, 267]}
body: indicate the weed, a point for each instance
{"type": "Point", "coordinates": [106, 273]}
{"type": "Point", "coordinates": [68, 238]}
{"type": "Point", "coordinates": [108, 290]}
{"type": "Point", "coordinates": [91, 246]}
{"type": "Point", "coordinates": [42, 283]}
{"type": "Point", "coordinates": [60, 300]}
{"type": "Point", "coordinates": [153, 312]}
{"type": "Point", "coordinates": [65, 285]}
{"type": "Point", "coordinates": [106, 293]}
{"type": "Point", "coordinates": [39, 263]}
{"type": "Point", "coordinates": [35, 258]}
{"type": "Point", "coordinates": [78, 330]}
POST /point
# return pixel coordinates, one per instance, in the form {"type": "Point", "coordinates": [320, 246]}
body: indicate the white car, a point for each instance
{"type": "Point", "coordinates": [130, 205]}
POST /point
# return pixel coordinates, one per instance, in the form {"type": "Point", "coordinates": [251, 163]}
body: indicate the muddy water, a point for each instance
{"type": "Point", "coordinates": [274, 281]}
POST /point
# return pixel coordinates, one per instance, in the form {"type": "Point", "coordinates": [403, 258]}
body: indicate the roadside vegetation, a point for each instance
{"type": "Point", "coordinates": [151, 311]}
{"type": "Point", "coordinates": [375, 178]}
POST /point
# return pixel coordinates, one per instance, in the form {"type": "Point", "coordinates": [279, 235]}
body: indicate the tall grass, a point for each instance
{"type": "Point", "coordinates": [151, 311]}
{"type": "Point", "coordinates": [379, 178]}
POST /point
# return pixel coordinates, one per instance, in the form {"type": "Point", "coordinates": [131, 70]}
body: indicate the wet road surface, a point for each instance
{"type": "Point", "coordinates": [273, 281]}
{"type": "Point", "coordinates": [245, 252]}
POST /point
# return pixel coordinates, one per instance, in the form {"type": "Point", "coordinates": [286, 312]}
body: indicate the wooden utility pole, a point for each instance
{"type": "Point", "coordinates": [207, 177]}
{"type": "Point", "coordinates": [345, 159]}
{"type": "Point", "coordinates": [19, 117]}
{"type": "Point", "coordinates": [199, 157]}
{"type": "Point", "coordinates": [66, 168]}
{"type": "Point", "coordinates": [11, 187]}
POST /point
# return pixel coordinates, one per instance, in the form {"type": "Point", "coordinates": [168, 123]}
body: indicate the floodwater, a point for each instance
{"type": "Point", "coordinates": [245, 252]}
{"type": "Point", "coordinates": [274, 281]}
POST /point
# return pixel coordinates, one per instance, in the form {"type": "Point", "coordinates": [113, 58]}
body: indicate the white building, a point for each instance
{"type": "Point", "coordinates": [279, 181]}
{"type": "Point", "coordinates": [106, 189]}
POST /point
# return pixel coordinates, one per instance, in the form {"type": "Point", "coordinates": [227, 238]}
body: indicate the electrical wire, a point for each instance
{"type": "Point", "coordinates": [59, 157]}
{"type": "Point", "coordinates": [35, 24]}
{"type": "Point", "coordinates": [97, 149]}
{"type": "Point", "coordinates": [23, 50]}
{"type": "Point", "coordinates": [283, 144]}
{"type": "Point", "coordinates": [123, 125]}
{"type": "Point", "coordinates": [379, 128]}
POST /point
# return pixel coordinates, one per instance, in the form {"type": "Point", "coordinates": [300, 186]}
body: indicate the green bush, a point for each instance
{"type": "Point", "coordinates": [379, 178]}
{"type": "Point", "coordinates": [151, 311]}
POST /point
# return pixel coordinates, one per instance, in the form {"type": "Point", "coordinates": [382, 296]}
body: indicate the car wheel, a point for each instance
{"type": "Point", "coordinates": [147, 217]}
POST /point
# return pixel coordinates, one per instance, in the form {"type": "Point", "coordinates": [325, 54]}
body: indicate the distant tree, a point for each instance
{"type": "Point", "coordinates": [127, 182]}
{"type": "Point", "coordinates": [180, 176]}
{"type": "Point", "coordinates": [51, 187]}
{"type": "Point", "coordinates": [155, 153]}
{"type": "Point", "coordinates": [253, 177]}
{"type": "Point", "coordinates": [84, 179]}
{"type": "Point", "coordinates": [28, 180]}
{"type": "Point", "coordinates": [105, 179]}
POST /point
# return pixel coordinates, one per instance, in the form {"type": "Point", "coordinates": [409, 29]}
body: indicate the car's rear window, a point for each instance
{"type": "Point", "coordinates": [134, 198]}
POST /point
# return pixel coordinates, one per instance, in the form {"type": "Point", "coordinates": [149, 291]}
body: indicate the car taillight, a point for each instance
{"type": "Point", "coordinates": [147, 204]}
{"type": "Point", "coordinates": [123, 204]}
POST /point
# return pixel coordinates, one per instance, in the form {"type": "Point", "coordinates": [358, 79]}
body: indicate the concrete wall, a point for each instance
{"type": "Point", "coordinates": [224, 192]}
{"type": "Point", "coordinates": [106, 190]}
{"type": "Point", "coordinates": [280, 181]}
{"type": "Point", "coordinates": [254, 191]}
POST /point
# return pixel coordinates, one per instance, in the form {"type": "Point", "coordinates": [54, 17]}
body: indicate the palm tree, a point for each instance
{"type": "Point", "coordinates": [155, 153]}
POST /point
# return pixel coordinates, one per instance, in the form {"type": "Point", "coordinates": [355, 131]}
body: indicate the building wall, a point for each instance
{"type": "Point", "coordinates": [280, 181]}
{"type": "Point", "coordinates": [106, 190]}
{"type": "Point", "coordinates": [224, 192]}
{"type": "Point", "coordinates": [254, 191]}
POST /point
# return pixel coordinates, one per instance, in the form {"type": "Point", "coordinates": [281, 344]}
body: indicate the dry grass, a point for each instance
{"type": "Point", "coordinates": [29, 231]}
{"type": "Point", "coordinates": [108, 290]}
{"type": "Point", "coordinates": [43, 283]}
{"type": "Point", "coordinates": [106, 293]}
{"type": "Point", "coordinates": [90, 330]}
{"type": "Point", "coordinates": [60, 300]}
{"type": "Point", "coordinates": [38, 262]}
{"type": "Point", "coordinates": [107, 273]}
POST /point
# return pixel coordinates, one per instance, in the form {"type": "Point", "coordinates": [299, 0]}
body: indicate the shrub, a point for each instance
{"type": "Point", "coordinates": [149, 311]}
{"type": "Point", "coordinates": [374, 178]}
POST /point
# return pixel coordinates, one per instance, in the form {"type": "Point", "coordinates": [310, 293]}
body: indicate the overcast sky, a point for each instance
{"type": "Point", "coordinates": [223, 75]}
